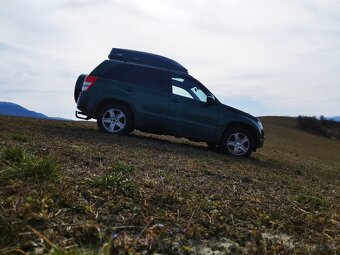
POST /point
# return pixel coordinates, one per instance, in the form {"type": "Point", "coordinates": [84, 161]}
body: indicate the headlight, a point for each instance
{"type": "Point", "coordinates": [260, 125]}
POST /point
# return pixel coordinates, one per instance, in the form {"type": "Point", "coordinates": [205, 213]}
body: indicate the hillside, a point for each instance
{"type": "Point", "coordinates": [66, 188]}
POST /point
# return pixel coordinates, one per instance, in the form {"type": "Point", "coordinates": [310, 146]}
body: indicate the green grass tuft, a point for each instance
{"type": "Point", "coordinates": [21, 166]}
{"type": "Point", "coordinates": [20, 138]}
{"type": "Point", "coordinates": [116, 178]}
{"type": "Point", "coordinates": [119, 166]}
{"type": "Point", "coordinates": [38, 170]}
{"type": "Point", "coordinates": [310, 200]}
{"type": "Point", "coordinates": [12, 155]}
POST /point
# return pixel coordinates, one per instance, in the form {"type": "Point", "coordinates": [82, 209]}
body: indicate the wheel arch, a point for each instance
{"type": "Point", "coordinates": [114, 101]}
{"type": "Point", "coordinates": [236, 124]}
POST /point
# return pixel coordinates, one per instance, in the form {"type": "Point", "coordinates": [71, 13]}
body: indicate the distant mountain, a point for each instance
{"type": "Point", "coordinates": [12, 109]}
{"type": "Point", "coordinates": [7, 108]}
{"type": "Point", "coordinates": [336, 118]}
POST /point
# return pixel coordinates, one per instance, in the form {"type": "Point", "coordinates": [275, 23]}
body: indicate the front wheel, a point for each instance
{"type": "Point", "coordinates": [237, 142]}
{"type": "Point", "coordinates": [115, 119]}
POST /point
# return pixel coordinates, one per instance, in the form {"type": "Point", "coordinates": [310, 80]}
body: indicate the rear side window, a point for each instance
{"type": "Point", "coordinates": [124, 73]}
{"type": "Point", "coordinates": [155, 79]}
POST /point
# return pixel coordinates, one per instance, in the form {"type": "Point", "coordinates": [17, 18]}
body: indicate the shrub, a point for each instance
{"type": "Point", "coordinates": [322, 126]}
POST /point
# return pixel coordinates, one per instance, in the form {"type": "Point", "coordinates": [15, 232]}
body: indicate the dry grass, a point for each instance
{"type": "Point", "coordinates": [147, 193]}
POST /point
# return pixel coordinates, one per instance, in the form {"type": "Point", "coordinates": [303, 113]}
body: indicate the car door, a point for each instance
{"type": "Point", "coordinates": [153, 97]}
{"type": "Point", "coordinates": [146, 89]}
{"type": "Point", "coordinates": [189, 113]}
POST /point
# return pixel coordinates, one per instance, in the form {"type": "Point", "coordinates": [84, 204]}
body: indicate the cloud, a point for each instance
{"type": "Point", "coordinates": [275, 57]}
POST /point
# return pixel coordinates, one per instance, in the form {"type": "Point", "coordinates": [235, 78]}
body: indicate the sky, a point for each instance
{"type": "Point", "coordinates": [265, 57]}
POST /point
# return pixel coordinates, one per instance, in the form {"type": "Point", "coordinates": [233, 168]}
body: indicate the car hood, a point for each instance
{"type": "Point", "coordinates": [237, 111]}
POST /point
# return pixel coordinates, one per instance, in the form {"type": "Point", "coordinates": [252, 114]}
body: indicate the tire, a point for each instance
{"type": "Point", "coordinates": [238, 142]}
{"type": "Point", "coordinates": [115, 119]}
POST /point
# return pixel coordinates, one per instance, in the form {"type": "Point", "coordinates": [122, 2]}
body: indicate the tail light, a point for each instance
{"type": "Point", "coordinates": [88, 82]}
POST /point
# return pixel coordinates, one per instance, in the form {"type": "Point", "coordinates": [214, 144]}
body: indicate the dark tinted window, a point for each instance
{"type": "Point", "coordinates": [154, 78]}
{"type": "Point", "coordinates": [124, 73]}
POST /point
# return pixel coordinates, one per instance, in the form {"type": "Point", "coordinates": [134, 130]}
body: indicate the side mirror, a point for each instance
{"type": "Point", "coordinates": [211, 99]}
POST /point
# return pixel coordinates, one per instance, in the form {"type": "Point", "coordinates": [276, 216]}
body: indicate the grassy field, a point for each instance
{"type": "Point", "coordinates": [66, 188]}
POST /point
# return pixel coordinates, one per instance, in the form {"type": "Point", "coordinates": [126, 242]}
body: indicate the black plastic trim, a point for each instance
{"type": "Point", "coordinates": [82, 118]}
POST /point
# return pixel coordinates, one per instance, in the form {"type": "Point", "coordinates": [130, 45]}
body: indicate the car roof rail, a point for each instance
{"type": "Point", "coordinates": [150, 59]}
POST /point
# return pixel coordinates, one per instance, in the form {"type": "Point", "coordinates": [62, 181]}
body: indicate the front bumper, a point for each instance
{"type": "Point", "coordinates": [260, 140]}
{"type": "Point", "coordinates": [260, 143]}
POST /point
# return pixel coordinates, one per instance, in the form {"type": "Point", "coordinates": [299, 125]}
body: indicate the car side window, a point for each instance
{"type": "Point", "coordinates": [181, 92]}
{"type": "Point", "coordinates": [124, 73]}
{"type": "Point", "coordinates": [186, 87]}
{"type": "Point", "coordinates": [154, 78]}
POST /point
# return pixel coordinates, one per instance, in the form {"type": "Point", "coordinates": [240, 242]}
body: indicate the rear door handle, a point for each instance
{"type": "Point", "coordinates": [176, 101]}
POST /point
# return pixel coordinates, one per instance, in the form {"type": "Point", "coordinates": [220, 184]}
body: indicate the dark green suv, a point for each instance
{"type": "Point", "coordinates": [139, 90]}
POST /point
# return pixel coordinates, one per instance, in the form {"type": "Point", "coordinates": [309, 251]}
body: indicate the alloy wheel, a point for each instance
{"type": "Point", "coordinates": [114, 120]}
{"type": "Point", "coordinates": [238, 144]}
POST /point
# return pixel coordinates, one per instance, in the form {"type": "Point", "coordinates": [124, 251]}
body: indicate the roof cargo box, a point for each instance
{"type": "Point", "coordinates": [145, 58]}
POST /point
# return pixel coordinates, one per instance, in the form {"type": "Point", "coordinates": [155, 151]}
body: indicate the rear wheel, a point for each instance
{"type": "Point", "coordinates": [115, 119]}
{"type": "Point", "coordinates": [238, 142]}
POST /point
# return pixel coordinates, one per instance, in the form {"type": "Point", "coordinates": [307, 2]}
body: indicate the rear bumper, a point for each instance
{"type": "Point", "coordinates": [85, 105]}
